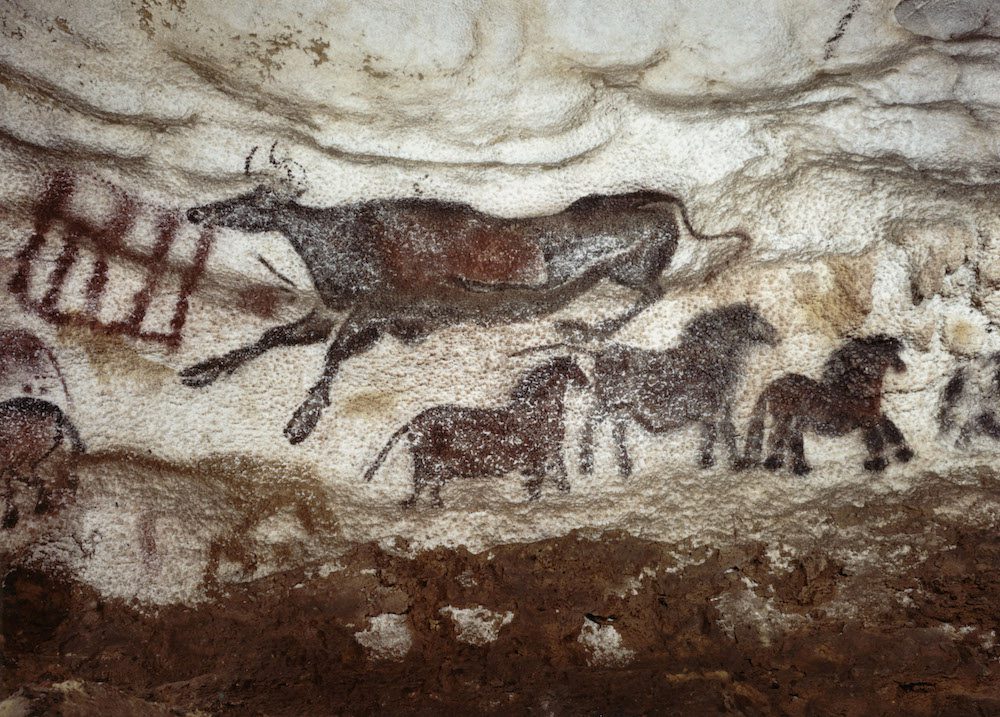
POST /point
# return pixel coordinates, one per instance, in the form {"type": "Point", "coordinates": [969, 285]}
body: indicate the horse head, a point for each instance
{"type": "Point", "coordinates": [259, 209]}
{"type": "Point", "coordinates": [732, 325]}
{"type": "Point", "coordinates": [559, 372]}
{"type": "Point", "coordinates": [887, 349]}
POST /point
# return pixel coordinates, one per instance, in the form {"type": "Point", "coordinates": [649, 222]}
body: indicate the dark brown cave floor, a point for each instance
{"type": "Point", "coordinates": [921, 641]}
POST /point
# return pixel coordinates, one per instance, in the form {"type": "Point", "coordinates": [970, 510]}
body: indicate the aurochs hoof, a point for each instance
{"type": "Point", "coordinates": [773, 463]}
{"type": "Point", "coordinates": [304, 420]}
{"type": "Point", "coordinates": [903, 455]}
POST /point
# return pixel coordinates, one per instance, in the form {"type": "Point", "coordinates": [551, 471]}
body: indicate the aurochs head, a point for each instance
{"type": "Point", "coordinates": [257, 210]}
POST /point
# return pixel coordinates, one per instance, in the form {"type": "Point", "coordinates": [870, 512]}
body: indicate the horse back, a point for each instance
{"type": "Point", "coordinates": [662, 389]}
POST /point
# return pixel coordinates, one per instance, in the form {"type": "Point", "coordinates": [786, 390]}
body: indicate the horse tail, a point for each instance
{"type": "Point", "coordinates": [755, 431]}
{"type": "Point", "coordinates": [370, 473]}
{"type": "Point", "coordinates": [69, 430]}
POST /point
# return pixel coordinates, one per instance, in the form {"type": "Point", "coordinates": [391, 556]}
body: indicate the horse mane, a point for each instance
{"type": "Point", "coordinates": [538, 378]}
{"type": "Point", "coordinates": [727, 321]}
{"type": "Point", "coordinates": [857, 354]}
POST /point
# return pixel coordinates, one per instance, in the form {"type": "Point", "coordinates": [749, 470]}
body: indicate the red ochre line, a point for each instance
{"type": "Point", "coordinates": [106, 240]}
{"type": "Point", "coordinates": [168, 231]}
{"type": "Point", "coordinates": [189, 283]}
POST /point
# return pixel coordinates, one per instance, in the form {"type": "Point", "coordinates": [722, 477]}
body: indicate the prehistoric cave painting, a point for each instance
{"type": "Point", "coordinates": [83, 228]}
{"type": "Point", "coordinates": [695, 382]}
{"type": "Point", "coordinates": [525, 435]}
{"type": "Point", "coordinates": [970, 399]}
{"type": "Point", "coordinates": [848, 397]}
{"type": "Point", "coordinates": [31, 430]}
{"type": "Point", "coordinates": [406, 267]}
{"type": "Point", "coordinates": [28, 367]}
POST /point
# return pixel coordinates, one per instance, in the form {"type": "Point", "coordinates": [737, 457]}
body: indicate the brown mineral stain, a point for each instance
{"type": "Point", "coordinates": [112, 357]}
{"type": "Point", "coordinates": [843, 306]}
{"type": "Point", "coordinates": [370, 403]}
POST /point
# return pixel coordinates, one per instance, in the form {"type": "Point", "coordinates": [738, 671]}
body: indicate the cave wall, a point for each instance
{"type": "Point", "coordinates": [827, 168]}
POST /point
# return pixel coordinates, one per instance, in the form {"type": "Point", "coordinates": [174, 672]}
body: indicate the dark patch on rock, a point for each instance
{"type": "Point", "coordinates": [839, 641]}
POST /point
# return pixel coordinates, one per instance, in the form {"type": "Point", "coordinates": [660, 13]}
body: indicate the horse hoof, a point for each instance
{"type": "Point", "coordinates": [408, 503]}
{"type": "Point", "coordinates": [876, 464]}
{"type": "Point", "coordinates": [10, 519]}
{"type": "Point", "coordinates": [903, 455]}
{"type": "Point", "coordinates": [707, 461]}
{"type": "Point", "coordinates": [801, 469]}
{"type": "Point", "coordinates": [742, 464]}
{"type": "Point", "coordinates": [773, 463]}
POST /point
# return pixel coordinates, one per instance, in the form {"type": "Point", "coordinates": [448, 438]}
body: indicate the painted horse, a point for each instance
{"type": "Point", "coordinates": [847, 398]}
{"type": "Point", "coordinates": [524, 435]}
{"type": "Point", "coordinates": [694, 382]}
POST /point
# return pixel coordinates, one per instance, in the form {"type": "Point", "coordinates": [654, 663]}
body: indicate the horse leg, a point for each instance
{"type": "Point", "coordinates": [624, 462]}
{"type": "Point", "coordinates": [895, 437]}
{"type": "Point", "coordinates": [709, 433]}
{"type": "Point", "coordinates": [556, 467]}
{"type": "Point", "coordinates": [876, 444]}
{"type": "Point", "coordinates": [534, 486]}
{"type": "Point", "coordinates": [419, 480]}
{"type": "Point", "coordinates": [594, 418]}
{"type": "Point", "coordinates": [776, 442]}
{"type": "Point", "coordinates": [310, 329]}
{"type": "Point", "coordinates": [987, 424]}
{"type": "Point", "coordinates": [728, 429]}
{"type": "Point", "coordinates": [10, 514]}
{"type": "Point", "coordinates": [356, 335]}
{"type": "Point", "coordinates": [796, 446]}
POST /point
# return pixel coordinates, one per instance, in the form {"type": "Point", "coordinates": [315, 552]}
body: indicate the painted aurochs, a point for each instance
{"type": "Point", "coordinates": [694, 382]}
{"type": "Point", "coordinates": [405, 267]}
{"type": "Point", "coordinates": [524, 435]}
{"type": "Point", "coordinates": [848, 397]}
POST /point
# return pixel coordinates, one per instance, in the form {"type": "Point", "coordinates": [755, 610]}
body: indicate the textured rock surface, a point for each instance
{"type": "Point", "coordinates": [827, 168]}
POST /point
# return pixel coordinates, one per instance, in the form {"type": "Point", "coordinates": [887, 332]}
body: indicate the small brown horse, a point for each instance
{"type": "Point", "coordinates": [690, 383]}
{"type": "Point", "coordinates": [848, 397]}
{"type": "Point", "coordinates": [525, 435]}
{"type": "Point", "coordinates": [30, 431]}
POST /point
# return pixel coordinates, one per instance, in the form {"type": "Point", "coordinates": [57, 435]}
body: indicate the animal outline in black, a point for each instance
{"type": "Point", "coordinates": [406, 267]}
{"type": "Point", "coordinates": [524, 435]}
{"type": "Point", "coordinates": [693, 382]}
{"type": "Point", "coordinates": [31, 429]}
{"type": "Point", "coordinates": [970, 399]}
{"type": "Point", "coordinates": [847, 397]}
